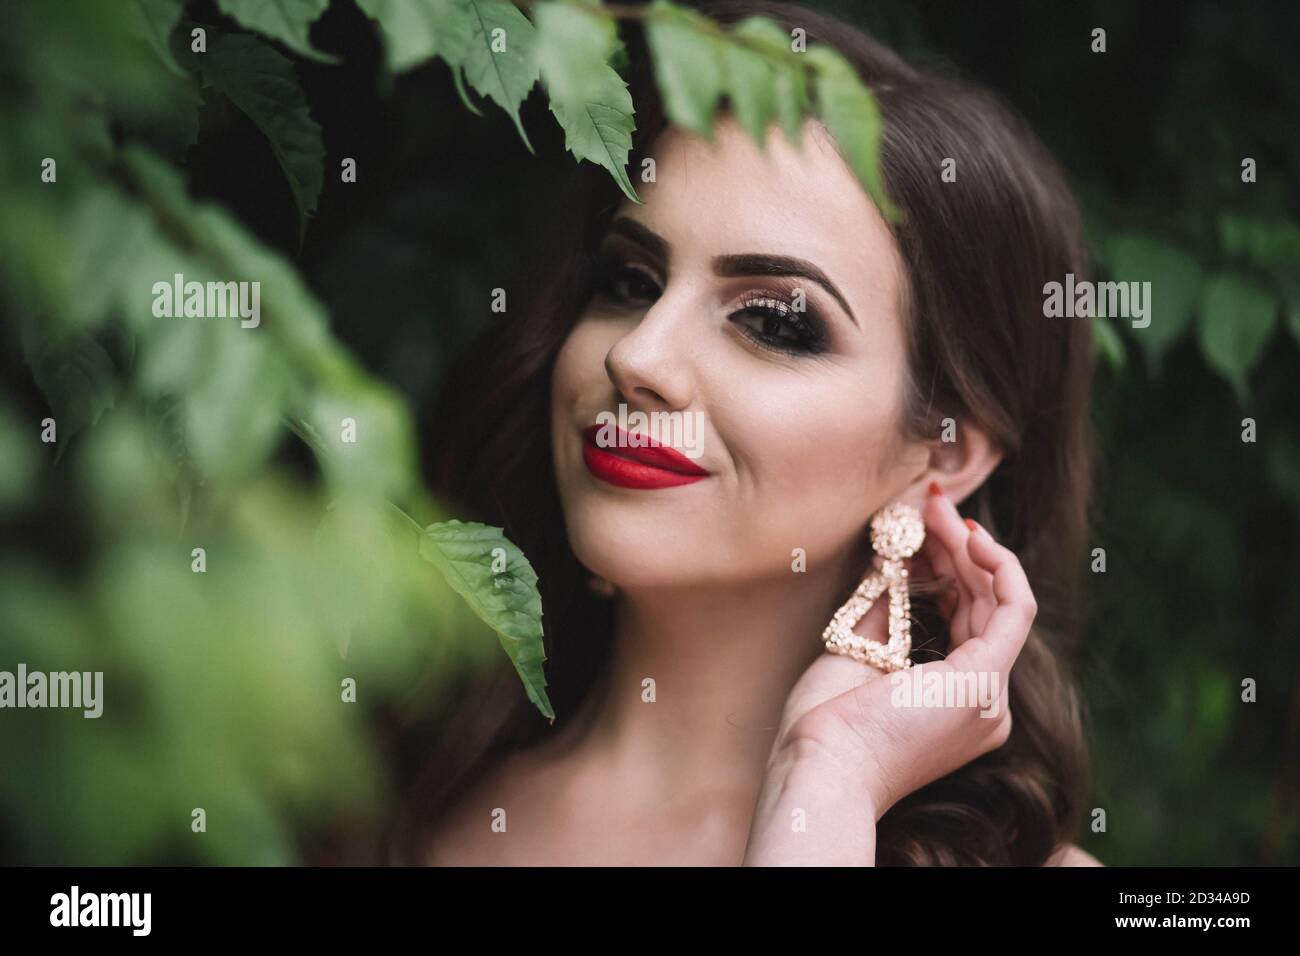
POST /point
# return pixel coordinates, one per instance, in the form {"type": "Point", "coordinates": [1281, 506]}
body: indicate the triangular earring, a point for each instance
{"type": "Point", "coordinates": [897, 532]}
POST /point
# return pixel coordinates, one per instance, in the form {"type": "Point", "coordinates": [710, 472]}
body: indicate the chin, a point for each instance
{"type": "Point", "coordinates": [636, 545]}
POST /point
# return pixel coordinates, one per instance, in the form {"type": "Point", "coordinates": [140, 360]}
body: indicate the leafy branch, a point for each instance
{"type": "Point", "coordinates": [125, 221]}
{"type": "Point", "coordinates": [572, 46]}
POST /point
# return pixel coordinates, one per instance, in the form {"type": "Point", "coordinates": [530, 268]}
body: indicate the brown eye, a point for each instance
{"type": "Point", "coordinates": [769, 318]}
{"type": "Point", "coordinates": [773, 324]}
{"type": "Point", "coordinates": [628, 284]}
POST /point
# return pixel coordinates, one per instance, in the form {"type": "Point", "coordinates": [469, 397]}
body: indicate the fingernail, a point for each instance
{"type": "Point", "coordinates": [935, 489]}
{"type": "Point", "coordinates": [973, 525]}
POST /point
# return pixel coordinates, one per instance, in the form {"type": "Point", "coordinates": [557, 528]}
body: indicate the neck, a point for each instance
{"type": "Point", "coordinates": [722, 661]}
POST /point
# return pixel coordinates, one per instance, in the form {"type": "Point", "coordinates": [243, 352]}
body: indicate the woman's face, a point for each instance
{"type": "Point", "coordinates": [752, 301]}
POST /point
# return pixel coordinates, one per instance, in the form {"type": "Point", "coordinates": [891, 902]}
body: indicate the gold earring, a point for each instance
{"type": "Point", "coordinates": [897, 533]}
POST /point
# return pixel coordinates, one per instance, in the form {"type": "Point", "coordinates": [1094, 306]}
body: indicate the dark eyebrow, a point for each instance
{"type": "Point", "coordinates": [756, 264]}
{"type": "Point", "coordinates": [654, 243]}
{"type": "Point", "coordinates": [748, 264]}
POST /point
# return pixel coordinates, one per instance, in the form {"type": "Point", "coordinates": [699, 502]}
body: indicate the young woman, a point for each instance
{"type": "Point", "coordinates": [834, 364]}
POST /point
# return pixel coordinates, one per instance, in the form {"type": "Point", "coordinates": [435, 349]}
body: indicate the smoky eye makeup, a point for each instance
{"type": "Point", "coordinates": [623, 281]}
{"type": "Point", "coordinates": [772, 318]}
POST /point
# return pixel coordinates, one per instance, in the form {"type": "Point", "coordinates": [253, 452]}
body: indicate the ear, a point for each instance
{"type": "Point", "coordinates": [958, 465]}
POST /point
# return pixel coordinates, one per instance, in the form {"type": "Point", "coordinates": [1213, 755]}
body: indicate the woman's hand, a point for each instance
{"type": "Point", "coordinates": [854, 740]}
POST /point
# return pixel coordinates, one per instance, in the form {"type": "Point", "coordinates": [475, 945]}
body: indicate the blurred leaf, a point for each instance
{"type": "Point", "coordinates": [18, 451]}
{"type": "Point", "coordinates": [1211, 717]}
{"type": "Point", "coordinates": [687, 65]}
{"type": "Point", "coordinates": [221, 247]}
{"type": "Point", "coordinates": [285, 20]}
{"type": "Point", "coordinates": [589, 99]}
{"type": "Point", "coordinates": [1284, 468]}
{"type": "Point", "coordinates": [1108, 343]}
{"type": "Point", "coordinates": [1175, 279]}
{"type": "Point", "coordinates": [1266, 244]}
{"type": "Point", "coordinates": [100, 236]}
{"type": "Point", "coordinates": [507, 601]}
{"type": "Point", "coordinates": [162, 17]}
{"type": "Point", "coordinates": [78, 379]}
{"type": "Point", "coordinates": [373, 452]}
{"type": "Point", "coordinates": [620, 60]}
{"type": "Point", "coordinates": [750, 89]}
{"type": "Point", "coordinates": [759, 87]}
{"type": "Point", "coordinates": [80, 52]}
{"type": "Point", "coordinates": [232, 407]}
{"type": "Point", "coordinates": [109, 234]}
{"type": "Point", "coordinates": [1237, 317]}
{"type": "Point", "coordinates": [416, 31]}
{"type": "Point", "coordinates": [366, 434]}
{"type": "Point", "coordinates": [223, 686]}
{"type": "Point", "coordinates": [851, 115]}
{"type": "Point", "coordinates": [573, 43]}
{"type": "Point", "coordinates": [263, 85]}
{"type": "Point", "coordinates": [353, 526]}
{"type": "Point", "coordinates": [506, 77]}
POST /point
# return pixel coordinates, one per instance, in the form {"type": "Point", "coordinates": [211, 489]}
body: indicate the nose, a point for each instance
{"type": "Point", "coordinates": [650, 365]}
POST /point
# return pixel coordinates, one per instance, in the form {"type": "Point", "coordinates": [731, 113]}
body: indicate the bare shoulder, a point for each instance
{"type": "Point", "coordinates": [1071, 855]}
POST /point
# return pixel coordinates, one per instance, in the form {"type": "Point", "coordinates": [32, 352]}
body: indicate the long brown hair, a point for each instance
{"type": "Point", "coordinates": [978, 252]}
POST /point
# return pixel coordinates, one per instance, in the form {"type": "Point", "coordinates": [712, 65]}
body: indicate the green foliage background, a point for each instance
{"type": "Point", "coordinates": [328, 561]}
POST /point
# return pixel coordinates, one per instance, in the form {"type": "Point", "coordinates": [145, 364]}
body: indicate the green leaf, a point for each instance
{"type": "Point", "coordinates": [101, 236]}
{"type": "Point", "coordinates": [620, 60]}
{"type": "Point", "coordinates": [84, 58]}
{"type": "Point", "coordinates": [505, 77]}
{"type": "Point", "coordinates": [687, 65]}
{"type": "Point", "coordinates": [1108, 343]}
{"type": "Point", "coordinates": [762, 86]}
{"type": "Point", "coordinates": [285, 20]}
{"type": "Point", "coordinates": [109, 236]}
{"type": "Point", "coordinates": [1237, 317]}
{"type": "Point", "coordinates": [416, 31]}
{"type": "Point", "coordinates": [18, 450]}
{"type": "Point", "coordinates": [508, 601]}
{"type": "Point", "coordinates": [263, 85]}
{"type": "Point", "coordinates": [1273, 246]}
{"type": "Point", "coordinates": [573, 43]}
{"type": "Point", "coordinates": [78, 379]}
{"type": "Point", "coordinates": [365, 438]}
{"type": "Point", "coordinates": [1265, 243]}
{"type": "Point", "coordinates": [588, 97]}
{"type": "Point", "coordinates": [244, 380]}
{"type": "Point", "coordinates": [750, 89]}
{"type": "Point", "coordinates": [599, 128]}
{"type": "Point", "coordinates": [1175, 279]}
{"type": "Point", "coordinates": [161, 17]}
{"type": "Point", "coordinates": [231, 408]}
{"type": "Point", "coordinates": [850, 113]}
{"type": "Point", "coordinates": [290, 312]}
{"type": "Point", "coordinates": [458, 80]}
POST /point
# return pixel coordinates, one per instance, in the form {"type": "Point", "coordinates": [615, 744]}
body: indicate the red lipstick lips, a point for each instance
{"type": "Point", "coordinates": [646, 466]}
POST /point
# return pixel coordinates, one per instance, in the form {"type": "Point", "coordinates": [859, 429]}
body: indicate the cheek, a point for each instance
{"type": "Point", "coordinates": [580, 365]}
{"type": "Point", "coordinates": [808, 449]}
{"type": "Point", "coordinates": [566, 390]}
{"type": "Point", "coordinates": [580, 388]}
